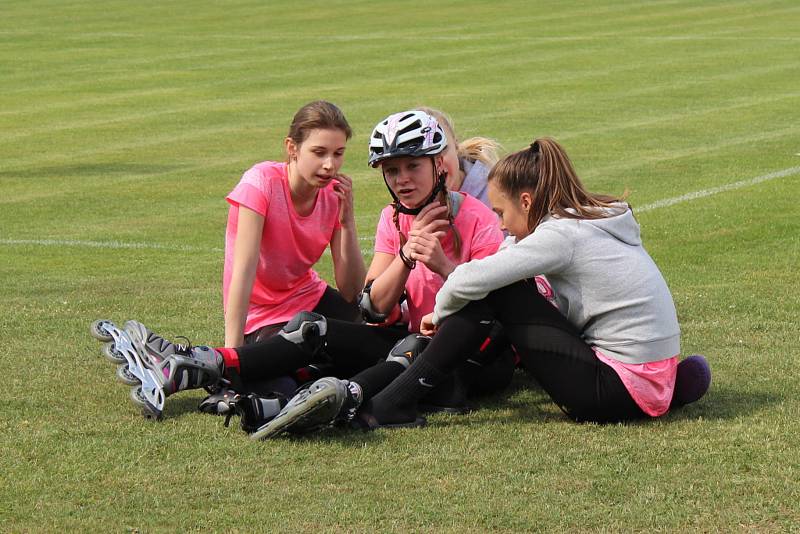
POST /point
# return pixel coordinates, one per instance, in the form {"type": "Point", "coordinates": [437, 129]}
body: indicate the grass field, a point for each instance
{"type": "Point", "coordinates": [123, 125]}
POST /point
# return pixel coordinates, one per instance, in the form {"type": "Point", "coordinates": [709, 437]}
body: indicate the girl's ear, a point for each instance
{"type": "Point", "coordinates": [525, 201]}
{"type": "Point", "coordinates": [291, 148]}
{"type": "Point", "coordinates": [438, 164]}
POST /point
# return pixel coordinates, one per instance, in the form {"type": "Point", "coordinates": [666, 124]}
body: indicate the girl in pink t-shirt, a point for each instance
{"type": "Point", "coordinates": [282, 218]}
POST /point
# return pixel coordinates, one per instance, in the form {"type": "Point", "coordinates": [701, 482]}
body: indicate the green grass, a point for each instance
{"type": "Point", "coordinates": [128, 123]}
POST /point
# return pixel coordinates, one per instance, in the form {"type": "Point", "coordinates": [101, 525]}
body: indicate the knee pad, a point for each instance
{"type": "Point", "coordinates": [407, 349]}
{"type": "Point", "coordinates": [306, 330]}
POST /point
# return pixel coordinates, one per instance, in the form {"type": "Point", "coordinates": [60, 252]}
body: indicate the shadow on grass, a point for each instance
{"type": "Point", "coordinates": [525, 402]}
{"type": "Point", "coordinates": [724, 403]}
{"type": "Point", "coordinates": [178, 406]}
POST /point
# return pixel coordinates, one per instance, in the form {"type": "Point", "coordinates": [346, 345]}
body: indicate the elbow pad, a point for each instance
{"type": "Point", "coordinates": [368, 312]}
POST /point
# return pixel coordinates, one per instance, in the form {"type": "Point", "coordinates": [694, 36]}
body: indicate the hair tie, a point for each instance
{"type": "Point", "coordinates": [535, 147]}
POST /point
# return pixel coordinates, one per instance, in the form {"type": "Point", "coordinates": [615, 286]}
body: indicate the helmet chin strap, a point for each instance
{"type": "Point", "coordinates": [438, 187]}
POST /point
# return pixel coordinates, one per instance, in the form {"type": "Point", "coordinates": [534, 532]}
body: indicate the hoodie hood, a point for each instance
{"type": "Point", "coordinates": [620, 224]}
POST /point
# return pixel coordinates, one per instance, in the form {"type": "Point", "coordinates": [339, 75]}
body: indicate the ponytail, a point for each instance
{"type": "Point", "coordinates": [480, 149]}
{"type": "Point", "coordinates": [473, 149]}
{"type": "Point", "coordinates": [544, 170]}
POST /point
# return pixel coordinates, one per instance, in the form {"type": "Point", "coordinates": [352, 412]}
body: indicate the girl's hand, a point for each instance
{"type": "Point", "coordinates": [426, 326]}
{"type": "Point", "coordinates": [343, 187]}
{"type": "Point", "coordinates": [433, 216]}
{"type": "Point", "coordinates": [426, 247]}
{"type": "Point", "coordinates": [424, 239]}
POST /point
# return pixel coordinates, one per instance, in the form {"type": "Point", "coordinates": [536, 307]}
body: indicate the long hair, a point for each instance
{"type": "Point", "coordinates": [317, 115]}
{"type": "Point", "coordinates": [544, 170]}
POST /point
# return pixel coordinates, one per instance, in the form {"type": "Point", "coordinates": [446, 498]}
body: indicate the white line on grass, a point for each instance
{"type": "Point", "coordinates": [714, 190]}
{"type": "Point", "coordinates": [106, 244]}
{"type": "Point", "coordinates": [123, 245]}
{"type": "Point", "coordinates": [188, 248]}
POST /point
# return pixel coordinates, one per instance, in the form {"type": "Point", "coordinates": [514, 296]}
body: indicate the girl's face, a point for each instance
{"type": "Point", "coordinates": [411, 179]}
{"type": "Point", "coordinates": [318, 158]}
{"type": "Point", "coordinates": [513, 212]}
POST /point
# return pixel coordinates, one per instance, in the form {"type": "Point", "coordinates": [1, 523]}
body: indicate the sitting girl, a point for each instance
{"type": "Point", "coordinates": [282, 217]}
{"type": "Point", "coordinates": [467, 162]}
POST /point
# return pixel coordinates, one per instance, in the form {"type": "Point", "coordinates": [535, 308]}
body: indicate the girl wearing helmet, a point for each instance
{"type": "Point", "coordinates": [420, 236]}
{"type": "Point", "coordinates": [610, 352]}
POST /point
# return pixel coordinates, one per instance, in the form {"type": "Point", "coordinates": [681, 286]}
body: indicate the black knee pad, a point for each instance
{"type": "Point", "coordinates": [407, 349]}
{"type": "Point", "coordinates": [306, 330]}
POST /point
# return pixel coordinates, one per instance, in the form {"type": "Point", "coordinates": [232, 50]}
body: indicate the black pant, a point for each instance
{"type": "Point", "coordinates": [349, 348]}
{"type": "Point", "coordinates": [331, 304]}
{"type": "Point", "coordinates": [551, 349]}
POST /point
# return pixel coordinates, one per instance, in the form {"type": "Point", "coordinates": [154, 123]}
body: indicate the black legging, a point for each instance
{"type": "Point", "coordinates": [350, 347]}
{"type": "Point", "coordinates": [550, 348]}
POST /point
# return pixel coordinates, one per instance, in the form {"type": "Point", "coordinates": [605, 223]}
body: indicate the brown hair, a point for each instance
{"type": "Point", "coordinates": [544, 170]}
{"type": "Point", "coordinates": [317, 115]}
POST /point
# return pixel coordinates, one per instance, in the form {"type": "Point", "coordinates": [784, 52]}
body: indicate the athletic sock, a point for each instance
{"type": "Point", "coordinates": [231, 359]}
{"type": "Point", "coordinates": [377, 377]}
{"type": "Point", "coordinates": [449, 396]}
{"type": "Point", "coordinates": [399, 399]}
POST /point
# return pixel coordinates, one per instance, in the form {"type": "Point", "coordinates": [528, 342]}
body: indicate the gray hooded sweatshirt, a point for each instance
{"type": "Point", "coordinates": [604, 281]}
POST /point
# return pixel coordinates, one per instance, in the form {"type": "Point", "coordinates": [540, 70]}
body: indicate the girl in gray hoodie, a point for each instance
{"type": "Point", "coordinates": [607, 351]}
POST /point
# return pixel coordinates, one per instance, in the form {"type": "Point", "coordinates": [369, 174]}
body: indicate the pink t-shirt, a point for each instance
{"type": "Point", "coordinates": [480, 237]}
{"type": "Point", "coordinates": [649, 384]}
{"type": "Point", "coordinates": [291, 244]}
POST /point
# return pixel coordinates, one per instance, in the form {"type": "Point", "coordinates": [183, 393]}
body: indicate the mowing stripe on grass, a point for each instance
{"type": "Point", "coordinates": [187, 248]}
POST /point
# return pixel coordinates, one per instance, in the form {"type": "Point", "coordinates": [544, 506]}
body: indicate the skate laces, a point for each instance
{"type": "Point", "coordinates": [235, 409]}
{"type": "Point", "coordinates": [351, 404]}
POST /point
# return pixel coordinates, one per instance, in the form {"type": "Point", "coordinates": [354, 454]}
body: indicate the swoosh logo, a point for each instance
{"type": "Point", "coordinates": [424, 382]}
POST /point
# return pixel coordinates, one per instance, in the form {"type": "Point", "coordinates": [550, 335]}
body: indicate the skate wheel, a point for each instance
{"type": "Point", "coordinates": [138, 397]}
{"type": "Point", "coordinates": [99, 329]}
{"type": "Point", "coordinates": [150, 414]}
{"type": "Point", "coordinates": [126, 377]}
{"type": "Point", "coordinates": [111, 353]}
{"type": "Point", "coordinates": [147, 410]}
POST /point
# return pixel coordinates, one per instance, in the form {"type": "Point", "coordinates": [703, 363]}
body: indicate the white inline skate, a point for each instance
{"type": "Point", "coordinates": [131, 370]}
{"type": "Point", "coordinates": [156, 374]}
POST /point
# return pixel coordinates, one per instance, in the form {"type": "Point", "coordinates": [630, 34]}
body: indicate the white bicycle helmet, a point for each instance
{"type": "Point", "coordinates": [411, 133]}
